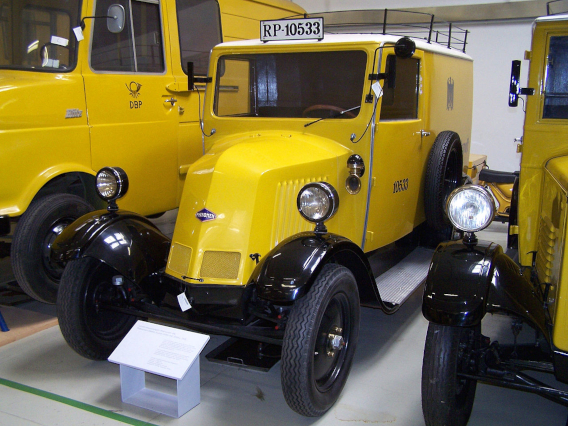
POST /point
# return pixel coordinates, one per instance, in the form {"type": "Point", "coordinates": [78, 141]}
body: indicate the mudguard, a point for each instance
{"type": "Point", "coordinates": [287, 272]}
{"type": "Point", "coordinates": [464, 283]}
{"type": "Point", "coordinates": [126, 241]}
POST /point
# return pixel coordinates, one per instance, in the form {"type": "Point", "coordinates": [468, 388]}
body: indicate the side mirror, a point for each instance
{"type": "Point", "coordinates": [515, 86]}
{"type": "Point", "coordinates": [192, 79]}
{"type": "Point", "coordinates": [115, 18]}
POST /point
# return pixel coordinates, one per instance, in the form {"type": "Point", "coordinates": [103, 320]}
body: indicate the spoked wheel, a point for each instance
{"type": "Point", "coordinates": [88, 328]}
{"type": "Point", "coordinates": [447, 398]}
{"type": "Point", "coordinates": [43, 221]}
{"type": "Point", "coordinates": [319, 342]}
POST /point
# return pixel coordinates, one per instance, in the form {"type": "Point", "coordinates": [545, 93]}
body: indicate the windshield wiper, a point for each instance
{"type": "Point", "coordinates": [337, 114]}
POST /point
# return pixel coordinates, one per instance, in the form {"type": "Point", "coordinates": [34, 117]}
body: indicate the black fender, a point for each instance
{"type": "Point", "coordinates": [287, 272]}
{"type": "Point", "coordinates": [464, 283]}
{"type": "Point", "coordinates": [126, 241]}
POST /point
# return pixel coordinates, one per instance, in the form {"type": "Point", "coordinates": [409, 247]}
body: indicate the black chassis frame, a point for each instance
{"type": "Point", "coordinates": [257, 311]}
{"type": "Point", "coordinates": [467, 280]}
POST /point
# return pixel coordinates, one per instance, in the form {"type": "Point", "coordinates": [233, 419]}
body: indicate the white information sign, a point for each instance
{"type": "Point", "coordinates": [292, 29]}
{"type": "Point", "coordinates": [159, 349]}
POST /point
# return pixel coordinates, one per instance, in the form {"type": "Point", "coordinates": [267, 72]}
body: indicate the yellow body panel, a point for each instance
{"type": "Point", "coordinates": [254, 167]}
{"type": "Point", "coordinates": [113, 118]}
{"type": "Point", "coordinates": [543, 139]}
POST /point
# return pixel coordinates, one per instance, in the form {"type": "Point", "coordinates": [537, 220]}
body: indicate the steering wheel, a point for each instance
{"type": "Point", "coordinates": [328, 108]}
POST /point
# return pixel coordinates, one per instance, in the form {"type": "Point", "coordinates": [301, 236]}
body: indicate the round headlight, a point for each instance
{"type": "Point", "coordinates": [318, 201]}
{"type": "Point", "coordinates": [111, 183]}
{"type": "Point", "coordinates": [470, 208]}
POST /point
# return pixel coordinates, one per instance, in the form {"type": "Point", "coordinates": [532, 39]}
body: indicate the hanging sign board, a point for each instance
{"type": "Point", "coordinates": [291, 29]}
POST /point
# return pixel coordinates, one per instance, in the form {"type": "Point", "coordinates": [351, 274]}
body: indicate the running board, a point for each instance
{"type": "Point", "coordinates": [399, 282]}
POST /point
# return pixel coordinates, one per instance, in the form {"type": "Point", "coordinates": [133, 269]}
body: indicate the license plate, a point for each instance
{"type": "Point", "coordinates": [292, 29]}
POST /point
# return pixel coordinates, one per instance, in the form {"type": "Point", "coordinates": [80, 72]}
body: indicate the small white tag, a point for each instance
{"type": "Point", "coordinates": [377, 89]}
{"type": "Point", "coordinates": [78, 33]}
{"type": "Point", "coordinates": [60, 41]}
{"type": "Point", "coordinates": [183, 302]}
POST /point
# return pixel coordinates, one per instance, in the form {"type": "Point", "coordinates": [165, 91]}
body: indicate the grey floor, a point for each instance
{"type": "Point", "coordinates": [44, 382]}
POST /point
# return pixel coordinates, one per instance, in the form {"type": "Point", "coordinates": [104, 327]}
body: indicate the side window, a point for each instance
{"type": "Point", "coordinates": [400, 91]}
{"type": "Point", "coordinates": [556, 79]}
{"type": "Point", "coordinates": [199, 23]}
{"type": "Point", "coordinates": [233, 83]}
{"type": "Point", "coordinates": [138, 47]}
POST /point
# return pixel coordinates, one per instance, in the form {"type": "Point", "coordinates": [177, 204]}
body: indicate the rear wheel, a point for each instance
{"type": "Point", "coordinates": [447, 398]}
{"type": "Point", "coordinates": [30, 254]}
{"type": "Point", "coordinates": [88, 328]}
{"type": "Point", "coordinates": [319, 342]}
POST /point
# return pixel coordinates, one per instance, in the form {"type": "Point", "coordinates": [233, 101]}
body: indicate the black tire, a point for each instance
{"type": "Point", "coordinates": [313, 372]}
{"type": "Point", "coordinates": [91, 331]}
{"type": "Point", "coordinates": [443, 175]}
{"type": "Point", "coordinates": [447, 399]}
{"type": "Point", "coordinates": [44, 219]}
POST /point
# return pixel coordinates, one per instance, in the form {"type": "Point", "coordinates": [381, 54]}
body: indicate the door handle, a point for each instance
{"type": "Point", "coordinates": [424, 133]}
{"type": "Point", "coordinates": [171, 101]}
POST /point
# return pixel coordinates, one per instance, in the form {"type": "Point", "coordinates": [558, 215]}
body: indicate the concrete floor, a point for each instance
{"type": "Point", "coordinates": [44, 382]}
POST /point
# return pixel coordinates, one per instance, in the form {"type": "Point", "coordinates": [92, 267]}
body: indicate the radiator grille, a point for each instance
{"type": "Point", "coordinates": [547, 238]}
{"type": "Point", "coordinates": [220, 264]}
{"type": "Point", "coordinates": [180, 256]}
{"type": "Point", "coordinates": [287, 219]}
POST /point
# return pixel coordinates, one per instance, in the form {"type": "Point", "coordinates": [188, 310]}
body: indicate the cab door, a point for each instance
{"type": "Point", "coordinates": [132, 116]}
{"type": "Point", "coordinates": [400, 149]}
{"type": "Point", "coordinates": [194, 28]}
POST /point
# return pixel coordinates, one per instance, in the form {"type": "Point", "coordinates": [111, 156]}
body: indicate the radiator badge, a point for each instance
{"type": "Point", "coordinates": [205, 215]}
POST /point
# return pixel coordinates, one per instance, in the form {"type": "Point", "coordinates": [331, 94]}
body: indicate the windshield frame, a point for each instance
{"type": "Point", "coordinates": [343, 66]}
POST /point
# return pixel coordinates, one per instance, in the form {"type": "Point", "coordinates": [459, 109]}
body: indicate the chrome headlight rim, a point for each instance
{"type": "Point", "coordinates": [483, 196]}
{"type": "Point", "coordinates": [116, 185]}
{"type": "Point", "coordinates": [319, 188]}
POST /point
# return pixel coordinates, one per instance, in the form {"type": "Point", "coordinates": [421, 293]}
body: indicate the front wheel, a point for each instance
{"type": "Point", "coordinates": [92, 331]}
{"type": "Point", "coordinates": [319, 342]}
{"type": "Point", "coordinates": [447, 398]}
{"type": "Point", "coordinates": [30, 255]}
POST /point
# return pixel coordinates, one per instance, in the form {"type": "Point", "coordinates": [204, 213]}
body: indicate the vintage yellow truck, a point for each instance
{"type": "Point", "coordinates": [328, 158]}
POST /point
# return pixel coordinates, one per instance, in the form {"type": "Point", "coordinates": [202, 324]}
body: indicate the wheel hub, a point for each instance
{"type": "Point", "coordinates": [335, 341]}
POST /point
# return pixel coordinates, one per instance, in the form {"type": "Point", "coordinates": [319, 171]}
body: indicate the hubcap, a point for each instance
{"type": "Point", "coordinates": [335, 342]}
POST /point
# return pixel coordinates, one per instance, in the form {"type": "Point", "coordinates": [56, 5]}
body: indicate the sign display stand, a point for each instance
{"type": "Point", "coordinates": [163, 351]}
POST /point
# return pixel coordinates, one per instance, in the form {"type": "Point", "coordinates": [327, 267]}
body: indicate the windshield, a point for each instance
{"type": "Point", "coordinates": [38, 34]}
{"type": "Point", "coordinates": [291, 85]}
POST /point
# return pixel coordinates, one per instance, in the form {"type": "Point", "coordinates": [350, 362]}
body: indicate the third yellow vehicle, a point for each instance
{"type": "Point", "coordinates": [471, 278]}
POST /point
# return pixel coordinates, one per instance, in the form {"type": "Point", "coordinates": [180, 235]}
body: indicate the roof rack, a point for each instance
{"type": "Point", "coordinates": [394, 22]}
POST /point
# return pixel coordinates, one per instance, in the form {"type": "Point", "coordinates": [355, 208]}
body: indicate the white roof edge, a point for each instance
{"type": "Point", "coordinates": [562, 17]}
{"type": "Point", "coordinates": [353, 38]}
